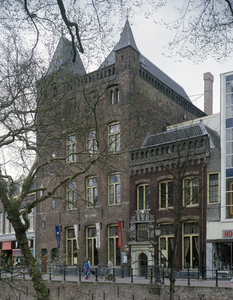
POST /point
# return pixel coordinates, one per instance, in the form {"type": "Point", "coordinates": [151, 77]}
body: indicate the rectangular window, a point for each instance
{"type": "Point", "coordinates": [114, 138]}
{"type": "Point", "coordinates": [71, 195]}
{"type": "Point", "coordinates": [113, 250]}
{"type": "Point", "coordinates": [191, 191]}
{"type": "Point", "coordinates": [92, 253]}
{"type": "Point", "coordinates": [166, 245]}
{"type": "Point", "coordinates": [92, 192]}
{"type": "Point", "coordinates": [142, 232]}
{"type": "Point", "coordinates": [72, 148]}
{"type": "Point", "coordinates": [30, 216]}
{"type": "Point", "coordinates": [143, 196]}
{"type": "Point", "coordinates": [213, 188]}
{"type": "Point", "coordinates": [92, 142]}
{"type": "Point", "coordinates": [71, 247]}
{"type": "Point", "coordinates": [190, 245]}
{"type": "Point", "coordinates": [166, 194]}
{"type": "Point", "coordinates": [114, 189]}
{"type": "Point", "coordinates": [7, 224]}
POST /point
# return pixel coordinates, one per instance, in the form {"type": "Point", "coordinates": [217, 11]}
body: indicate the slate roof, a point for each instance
{"type": "Point", "coordinates": [181, 133]}
{"type": "Point", "coordinates": [63, 59]}
{"type": "Point", "coordinates": [126, 40]}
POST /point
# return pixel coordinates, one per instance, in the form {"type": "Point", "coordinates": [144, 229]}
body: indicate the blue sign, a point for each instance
{"type": "Point", "coordinates": [57, 230]}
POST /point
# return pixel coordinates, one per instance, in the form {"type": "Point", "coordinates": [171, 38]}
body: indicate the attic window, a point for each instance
{"type": "Point", "coordinates": [143, 65]}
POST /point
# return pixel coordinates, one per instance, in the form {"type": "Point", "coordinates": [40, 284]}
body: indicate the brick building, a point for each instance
{"type": "Point", "coordinates": [174, 171]}
{"type": "Point", "coordinates": [134, 98]}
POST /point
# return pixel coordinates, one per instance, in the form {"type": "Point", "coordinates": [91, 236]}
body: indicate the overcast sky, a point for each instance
{"type": "Point", "coordinates": [152, 40]}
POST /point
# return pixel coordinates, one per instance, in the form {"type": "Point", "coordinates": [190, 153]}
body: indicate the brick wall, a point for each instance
{"type": "Point", "coordinates": [108, 291]}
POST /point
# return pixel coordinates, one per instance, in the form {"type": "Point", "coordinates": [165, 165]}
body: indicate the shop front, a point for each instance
{"type": "Point", "coordinates": [11, 254]}
{"type": "Point", "coordinates": [220, 256]}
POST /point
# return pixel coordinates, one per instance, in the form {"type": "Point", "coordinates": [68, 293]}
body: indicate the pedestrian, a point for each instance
{"type": "Point", "coordinates": [86, 269]}
{"type": "Point", "coordinates": [110, 269]}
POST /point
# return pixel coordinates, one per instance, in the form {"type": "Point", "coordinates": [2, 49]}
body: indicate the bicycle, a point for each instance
{"type": "Point", "coordinates": [103, 276]}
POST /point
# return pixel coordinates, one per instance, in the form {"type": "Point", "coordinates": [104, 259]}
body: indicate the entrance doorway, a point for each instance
{"type": "Point", "coordinates": [143, 264]}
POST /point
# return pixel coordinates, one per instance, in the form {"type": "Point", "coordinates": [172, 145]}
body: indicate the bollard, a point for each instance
{"type": "Point", "coordinates": [122, 272]}
{"type": "Point", "coordinates": [118, 291]}
{"type": "Point", "coordinates": [216, 278]}
{"type": "Point", "coordinates": [96, 274]}
{"type": "Point", "coordinates": [114, 276]}
{"type": "Point", "coordinates": [11, 274]}
{"type": "Point", "coordinates": [145, 273]}
{"type": "Point", "coordinates": [188, 278]}
{"type": "Point", "coordinates": [151, 275]}
{"type": "Point", "coordinates": [131, 273]}
{"type": "Point", "coordinates": [23, 273]}
{"type": "Point", "coordinates": [64, 273]}
{"type": "Point", "coordinates": [50, 273]}
{"type": "Point", "coordinates": [80, 274]}
{"type": "Point", "coordinates": [163, 276]}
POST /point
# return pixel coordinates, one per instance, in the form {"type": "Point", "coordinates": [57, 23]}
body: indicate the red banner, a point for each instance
{"type": "Point", "coordinates": [119, 235]}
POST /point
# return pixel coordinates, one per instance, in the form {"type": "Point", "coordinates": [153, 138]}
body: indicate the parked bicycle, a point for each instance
{"type": "Point", "coordinates": [105, 276]}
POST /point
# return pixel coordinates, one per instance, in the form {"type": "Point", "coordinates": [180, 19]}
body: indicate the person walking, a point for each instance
{"type": "Point", "coordinates": [110, 269]}
{"type": "Point", "coordinates": [86, 269]}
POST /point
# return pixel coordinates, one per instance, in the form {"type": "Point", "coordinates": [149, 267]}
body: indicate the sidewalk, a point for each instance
{"type": "Point", "coordinates": [142, 280]}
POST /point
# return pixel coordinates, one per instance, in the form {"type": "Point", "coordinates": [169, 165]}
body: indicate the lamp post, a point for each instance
{"type": "Point", "coordinates": [154, 233]}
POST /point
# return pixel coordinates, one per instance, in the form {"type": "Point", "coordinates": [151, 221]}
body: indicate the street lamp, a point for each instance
{"type": "Point", "coordinates": [154, 233]}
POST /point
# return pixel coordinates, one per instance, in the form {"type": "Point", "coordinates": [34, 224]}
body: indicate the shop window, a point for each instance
{"type": "Point", "coordinates": [71, 195]}
{"type": "Point", "coordinates": [71, 148]}
{"type": "Point", "coordinates": [191, 191]}
{"type": "Point", "coordinates": [92, 253]}
{"type": "Point", "coordinates": [92, 142]}
{"type": "Point", "coordinates": [113, 250]}
{"type": "Point", "coordinates": [1, 223]}
{"type": "Point", "coordinates": [71, 247]}
{"type": "Point", "coordinates": [190, 245]}
{"type": "Point", "coordinates": [166, 245]}
{"type": "Point", "coordinates": [213, 188]}
{"type": "Point", "coordinates": [114, 188]}
{"type": "Point", "coordinates": [92, 191]}
{"type": "Point", "coordinates": [143, 196]}
{"type": "Point", "coordinates": [114, 138]}
{"type": "Point", "coordinates": [165, 194]}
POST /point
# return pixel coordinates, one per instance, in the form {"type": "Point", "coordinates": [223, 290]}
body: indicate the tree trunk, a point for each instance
{"type": "Point", "coordinates": [32, 266]}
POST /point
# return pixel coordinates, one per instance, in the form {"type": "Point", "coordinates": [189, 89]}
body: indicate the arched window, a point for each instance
{"type": "Point", "coordinates": [117, 96]}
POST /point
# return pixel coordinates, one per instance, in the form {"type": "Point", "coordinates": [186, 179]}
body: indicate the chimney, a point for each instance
{"type": "Point", "coordinates": [208, 93]}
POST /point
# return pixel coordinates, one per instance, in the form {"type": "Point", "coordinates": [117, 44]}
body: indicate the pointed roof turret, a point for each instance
{"type": "Point", "coordinates": [126, 38]}
{"type": "Point", "coordinates": [63, 59]}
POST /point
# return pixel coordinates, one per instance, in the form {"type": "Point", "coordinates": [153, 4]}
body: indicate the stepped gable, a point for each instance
{"type": "Point", "coordinates": [127, 39]}
{"type": "Point", "coordinates": [180, 133]}
{"type": "Point", "coordinates": [63, 59]}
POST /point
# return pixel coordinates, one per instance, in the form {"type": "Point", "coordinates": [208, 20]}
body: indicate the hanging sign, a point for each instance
{"type": "Point", "coordinates": [119, 235]}
{"type": "Point", "coordinates": [76, 234]}
{"type": "Point", "coordinates": [57, 230]}
{"type": "Point", "coordinates": [97, 235]}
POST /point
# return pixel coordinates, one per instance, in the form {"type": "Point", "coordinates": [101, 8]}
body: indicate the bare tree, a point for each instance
{"type": "Point", "coordinates": [204, 29]}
